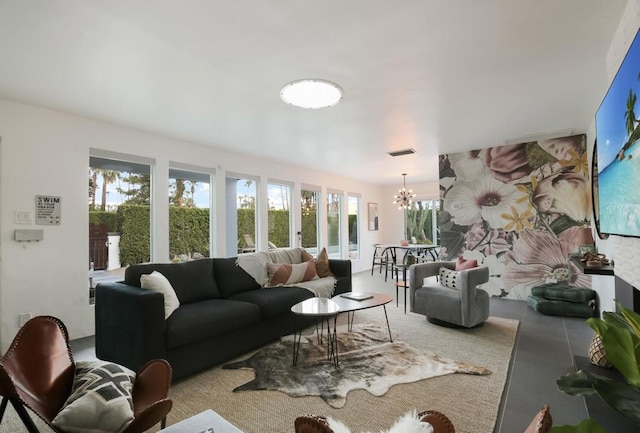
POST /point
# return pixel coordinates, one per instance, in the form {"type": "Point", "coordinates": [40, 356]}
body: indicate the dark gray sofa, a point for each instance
{"type": "Point", "coordinates": [223, 313]}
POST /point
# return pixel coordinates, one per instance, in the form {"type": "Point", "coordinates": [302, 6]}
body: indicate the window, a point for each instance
{"type": "Point", "coordinates": [353, 205]}
{"type": "Point", "coordinates": [245, 201]}
{"type": "Point", "coordinates": [119, 214]}
{"type": "Point", "coordinates": [279, 215]}
{"type": "Point", "coordinates": [422, 222]}
{"type": "Point", "coordinates": [334, 208]}
{"type": "Point", "coordinates": [189, 214]}
{"type": "Point", "coordinates": [309, 220]}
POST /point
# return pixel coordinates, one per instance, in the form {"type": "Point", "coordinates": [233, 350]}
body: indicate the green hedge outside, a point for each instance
{"type": "Point", "coordinates": [135, 233]}
{"type": "Point", "coordinates": [188, 231]}
{"type": "Point", "coordinates": [278, 227]}
{"type": "Point", "coordinates": [99, 218]}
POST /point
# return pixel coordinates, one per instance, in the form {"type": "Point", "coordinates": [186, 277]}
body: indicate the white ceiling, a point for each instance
{"type": "Point", "coordinates": [435, 75]}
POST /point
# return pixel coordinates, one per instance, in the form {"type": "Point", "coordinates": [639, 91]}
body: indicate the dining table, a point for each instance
{"type": "Point", "coordinates": [418, 250]}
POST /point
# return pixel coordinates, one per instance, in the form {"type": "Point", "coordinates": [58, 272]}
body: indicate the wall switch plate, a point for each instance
{"type": "Point", "coordinates": [22, 217]}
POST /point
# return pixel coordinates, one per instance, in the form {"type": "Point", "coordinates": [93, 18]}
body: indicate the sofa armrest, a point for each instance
{"type": "Point", "coordinates": [341, 269]}
{"type": "Point", "coordinates": [130, 325]}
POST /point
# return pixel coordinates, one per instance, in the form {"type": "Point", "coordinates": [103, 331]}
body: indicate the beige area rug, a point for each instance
{"type": "Point", "coordinates": [367, 360]}
{"type": "Point", "coordinates": [470, 401]}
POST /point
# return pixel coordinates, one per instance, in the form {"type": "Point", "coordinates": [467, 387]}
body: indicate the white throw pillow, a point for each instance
{"type": "Point", "coordinates": [449, 278]}
{"type": "Point", "coordinates": [100, 400]}
{"type": "Point", "coordinates": [408, 423]}
{"type": "Point", "coordinates": [158, 283]}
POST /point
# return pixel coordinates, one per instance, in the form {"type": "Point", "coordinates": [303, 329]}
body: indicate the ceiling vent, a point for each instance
{"type": "Point", "coordinates": [402, 152]}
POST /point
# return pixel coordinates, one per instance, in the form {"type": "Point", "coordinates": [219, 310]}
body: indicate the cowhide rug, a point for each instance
{"type": "Point", "coordinates": [367, 360]}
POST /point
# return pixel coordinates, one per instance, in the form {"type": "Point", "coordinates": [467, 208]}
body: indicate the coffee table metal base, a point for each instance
{"type": "Point", "coordinates": [332, 339]}
{"type": "Point", "coordinates": [323, 310]}
{"type": "Point", "coordinates": [350, 306]}
{"type": "Point", "coordinates": [352, 314]}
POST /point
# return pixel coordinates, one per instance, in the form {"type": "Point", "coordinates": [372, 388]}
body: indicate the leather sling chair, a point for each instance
{"type": "Point", "coordinates": [318, 423]}
{"type": "Point", "coordinates": [541, 423]}
{"type": "Point", "coordinates": [37, 373]}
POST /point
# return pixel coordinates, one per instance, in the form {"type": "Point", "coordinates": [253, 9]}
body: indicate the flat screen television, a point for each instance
{"type": "Point", "coordinates": [618, 150]}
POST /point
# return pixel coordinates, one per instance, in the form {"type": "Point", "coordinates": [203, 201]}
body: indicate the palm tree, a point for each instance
{"type": "Point", "coordinates": [179, 193]}
{"type": "Point", "coordinates": [93, 186]}
{"type": "Point", "coordinates": [108, 177]}
{"type": "Point", "coordinates": [630, 115]}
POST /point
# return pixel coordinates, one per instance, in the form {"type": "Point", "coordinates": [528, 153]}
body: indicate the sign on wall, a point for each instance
{"type": "Point", "coordinates": [48, 210]}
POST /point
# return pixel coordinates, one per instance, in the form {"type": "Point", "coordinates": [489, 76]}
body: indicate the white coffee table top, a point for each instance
{"type": "Point", "coordinates": [316, 307]}
{"type": "Point", "coordinates": [201, 422]}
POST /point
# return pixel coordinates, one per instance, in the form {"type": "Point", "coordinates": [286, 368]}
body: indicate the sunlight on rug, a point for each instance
{"type": "Point", "coordinates": [367, 360]}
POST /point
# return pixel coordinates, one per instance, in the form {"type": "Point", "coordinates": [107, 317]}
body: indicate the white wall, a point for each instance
{"type": "Point", "coordinates": [46, 152]}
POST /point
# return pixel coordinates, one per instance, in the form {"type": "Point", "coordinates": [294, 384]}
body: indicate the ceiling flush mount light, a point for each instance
{"type": "Point", "coordinates": [311, 93]}
{"type": "Point", "coordinates": [404, 198]}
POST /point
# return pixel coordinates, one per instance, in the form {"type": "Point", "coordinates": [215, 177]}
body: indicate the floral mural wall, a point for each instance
{"type": "Point", "coordinates": [520, 210]}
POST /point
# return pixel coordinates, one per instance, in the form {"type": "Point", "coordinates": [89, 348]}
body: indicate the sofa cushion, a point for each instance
{"type": "Point", "coordinates": [285, 274]}
{"type": "Point", "coordinates": [201, 320]}
{"type": "Point", "coordinates": [274, 301]}
{"type": "Point", "coordinates": [560, 292]}
{"type": "Point", "coordinates": [560, 308]}
{"type": "Point", "coordinates": [193, 281]}
{"type": "Point", "coordinates": [158, 283]}
{"type": "Point", "coordinates": [231, 278]}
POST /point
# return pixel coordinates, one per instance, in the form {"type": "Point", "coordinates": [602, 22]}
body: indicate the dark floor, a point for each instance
{"type": "Point", "coordinates": [544, 350]}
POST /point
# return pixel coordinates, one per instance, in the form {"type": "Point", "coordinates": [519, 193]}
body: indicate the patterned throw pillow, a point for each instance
{"type": "Point", "coordinates": [100, 400]}
{"type": "Point", "coordinates": [449, 278]}
{"type": "Point", "coordinates": [283, 274]}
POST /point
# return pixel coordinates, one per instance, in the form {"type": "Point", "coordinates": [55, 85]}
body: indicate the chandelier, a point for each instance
{"type": "Point", "coordinates": [403, 198]}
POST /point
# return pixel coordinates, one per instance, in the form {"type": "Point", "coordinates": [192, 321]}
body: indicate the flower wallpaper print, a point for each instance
{"type": "Point", "coordinates": [519, 209]}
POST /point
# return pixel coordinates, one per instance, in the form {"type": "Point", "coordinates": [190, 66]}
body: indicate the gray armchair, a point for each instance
{"type": "Point", "coordinates": [467, 306]}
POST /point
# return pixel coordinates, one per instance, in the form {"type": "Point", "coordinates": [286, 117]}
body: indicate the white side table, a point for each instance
{"type": "Point", "coordinates": [201, 422]}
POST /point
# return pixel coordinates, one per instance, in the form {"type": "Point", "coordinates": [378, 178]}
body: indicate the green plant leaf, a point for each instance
{"type": "Point", "coordinates": [632, 319]}
{"type": "Point", "coordinates": [599, 325]}
{"type": "Point", "coordinates": [586, 426]}
{"type": "Point", "coordinates": [579, 383]}
{"type": "Point", "coordinates": [615, 319]}
{"type": "Point", "coordinates": [623, 351]}
{"type": "Point", "coordinates": [621, 396]}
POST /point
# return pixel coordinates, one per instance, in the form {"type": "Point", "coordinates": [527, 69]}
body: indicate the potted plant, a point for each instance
{"type": "Point", "coordinates": [620, 334]}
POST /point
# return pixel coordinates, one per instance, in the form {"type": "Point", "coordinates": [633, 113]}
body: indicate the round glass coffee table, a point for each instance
{"type": "Point", "coordinates": [323, 309]}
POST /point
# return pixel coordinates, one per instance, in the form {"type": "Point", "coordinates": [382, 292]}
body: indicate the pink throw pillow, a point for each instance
{"type": "Point", "coordinates": [462, 264]}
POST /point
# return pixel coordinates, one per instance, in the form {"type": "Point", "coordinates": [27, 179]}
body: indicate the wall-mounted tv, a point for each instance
{"type": "Point", "coordinates": [618, 149]}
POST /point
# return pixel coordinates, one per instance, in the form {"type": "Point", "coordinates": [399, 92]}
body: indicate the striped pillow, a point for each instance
{"type": "Point", "coordinates": [283, 274]}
